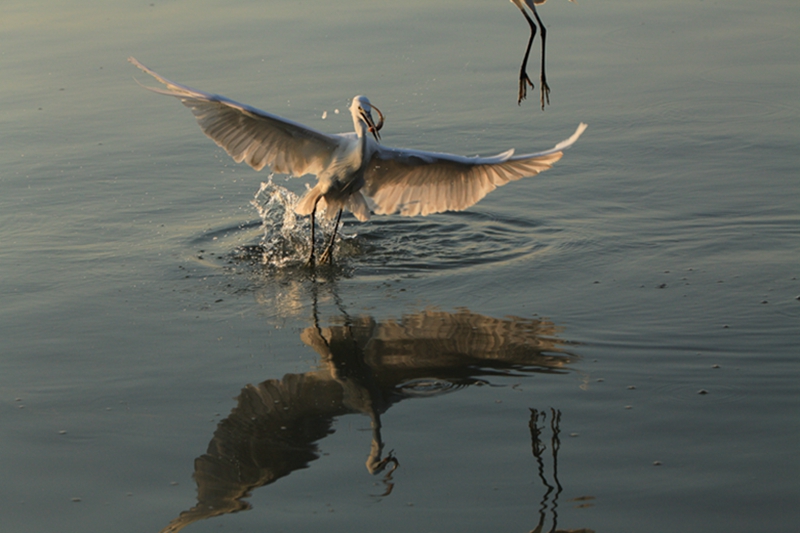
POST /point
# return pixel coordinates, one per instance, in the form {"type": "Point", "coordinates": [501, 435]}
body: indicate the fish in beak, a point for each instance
{"type": "Point", "coordinates": [373, 128]}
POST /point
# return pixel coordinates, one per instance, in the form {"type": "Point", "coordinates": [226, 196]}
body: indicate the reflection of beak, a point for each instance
{"type": "Point", "coordinates": [374, 128]}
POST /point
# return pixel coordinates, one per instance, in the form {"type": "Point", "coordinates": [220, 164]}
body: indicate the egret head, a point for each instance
{"type": "Point", "coordinates": [361, 109]}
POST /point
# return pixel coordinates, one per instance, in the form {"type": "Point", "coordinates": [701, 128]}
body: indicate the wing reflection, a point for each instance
{"type": "Point", "coordinates": [366, 367]}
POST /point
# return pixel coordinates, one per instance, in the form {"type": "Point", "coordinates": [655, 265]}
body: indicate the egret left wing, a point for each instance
{"type": "Point", "coordinates": [420, 183]}
{"type": "Point", "coordinates": [254, 136]}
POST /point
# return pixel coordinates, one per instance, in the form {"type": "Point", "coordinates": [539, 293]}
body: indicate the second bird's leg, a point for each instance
{"type": "Point", "coordinates": [313, 236]}
{"type": "Point", "coordinates": [327, 255]}
{"type": "Point", "coordinates": [544, 89]}
{"type": "Point", "coordinates": [524, 80]}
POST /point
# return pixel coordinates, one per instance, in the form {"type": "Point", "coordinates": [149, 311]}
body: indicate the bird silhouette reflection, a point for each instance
{"type": "Point", "coordinates": [366, 366]}
{"type": "Point", "coordinates": [539, 448]}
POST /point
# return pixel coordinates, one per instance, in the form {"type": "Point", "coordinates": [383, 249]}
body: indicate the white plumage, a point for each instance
{"type": "Point", "coordinates": [349, 166]}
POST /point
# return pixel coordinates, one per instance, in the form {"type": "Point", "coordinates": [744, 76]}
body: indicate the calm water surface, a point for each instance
{"type": "Point", "coordinates": [610, 346]}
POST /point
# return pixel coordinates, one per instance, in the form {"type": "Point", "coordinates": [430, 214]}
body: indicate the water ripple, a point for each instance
{"type": "Point", "coordinates": [426, 387]}
{"type": "Point", "coordinates": [394, 244]}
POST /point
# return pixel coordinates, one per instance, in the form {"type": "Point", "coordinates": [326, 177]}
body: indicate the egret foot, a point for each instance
{"type": "Point", "coordinates": [544, 91]}
{"type": "Point", "coordinates": [524, 81]}
{"type": "Point", "coordinates": [327, 256]}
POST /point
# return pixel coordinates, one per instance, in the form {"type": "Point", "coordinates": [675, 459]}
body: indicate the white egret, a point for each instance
{"type": "Point", "coordinates": [524, 80]}
{"type": "Point", "coordinates": [350, 166]}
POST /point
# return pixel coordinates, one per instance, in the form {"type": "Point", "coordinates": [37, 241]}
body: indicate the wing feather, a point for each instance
{"type": "Point", "coordinates": [420, 183]}
{"type": "Point", "coordinates": [256, 137]}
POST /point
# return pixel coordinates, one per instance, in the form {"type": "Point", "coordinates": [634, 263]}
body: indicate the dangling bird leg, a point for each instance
{"type": "Point", "coordinates": [313, 236]}
{"type": "Point", "coordinates": [524, 80]}
{"type": "Point", "coordinates": [327, 255]}
{"type": "Point", "coordinates": [544, 89]}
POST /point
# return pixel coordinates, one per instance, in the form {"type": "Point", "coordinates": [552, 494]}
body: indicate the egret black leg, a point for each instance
{"type": "Point", "coordinates": [313, 236]}
{"type": "Point", "coordinates": [544, 89]}
{"type": "Point", "coordinates": [327, 255]}
{"type": "Point", "coordinates": [524, 80]}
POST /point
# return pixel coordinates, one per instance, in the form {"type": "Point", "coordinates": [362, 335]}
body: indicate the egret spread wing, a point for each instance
{"type": "Point", "coordinates": [420, 183]}
{"type": "Point", "coordinates": [254, 136]}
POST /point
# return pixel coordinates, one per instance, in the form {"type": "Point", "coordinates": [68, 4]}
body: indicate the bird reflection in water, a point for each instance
{"type": "Point", "coordinates": [366, 366]}
{"type": "Point", "coordinates": [539, 448]}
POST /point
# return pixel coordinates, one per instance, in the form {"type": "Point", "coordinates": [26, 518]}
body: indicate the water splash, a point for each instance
{"type": "Point", "coordinates": [442, 242]}
{"type": "Point", "coordinates": [284, 237]}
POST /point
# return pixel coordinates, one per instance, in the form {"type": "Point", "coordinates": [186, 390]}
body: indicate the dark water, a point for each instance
{"type": "Point", "coordinates": [610, 346]}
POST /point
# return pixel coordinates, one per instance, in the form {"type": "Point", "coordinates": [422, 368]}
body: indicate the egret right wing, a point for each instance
{"type": "Point", "coordinates": [251, 135]}
{"type": "Point", "coordinates": [414, 182]}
